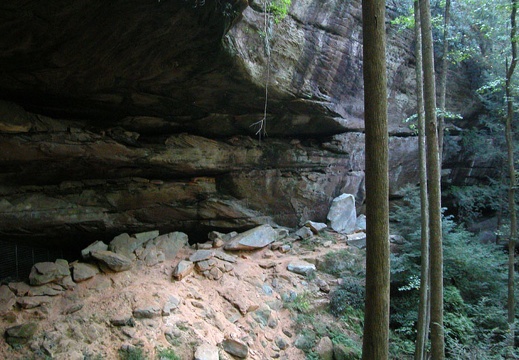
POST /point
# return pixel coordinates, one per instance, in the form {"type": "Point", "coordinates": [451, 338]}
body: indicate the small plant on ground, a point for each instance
{"type": "Point", "coordinates": [167, 354]}
{"type": "Point", "coordinates": [131, 353]}
{"type": "Point", "coordinates": [301, 303]}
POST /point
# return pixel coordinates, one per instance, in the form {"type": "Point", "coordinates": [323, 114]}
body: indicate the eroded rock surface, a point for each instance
{"type": "Point", "coordinates": [135, 116]}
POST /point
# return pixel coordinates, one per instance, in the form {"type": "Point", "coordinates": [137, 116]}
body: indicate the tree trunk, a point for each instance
{"type": "Point", "coordinates": [376, 323]}
{"type": "Point", "coordinates": [433, 186]}
{"type": "Point", "coordinates": [511, 173]}
{"type": "Point", "coordinates": [423, 309]}
{"type": "Point", "coordinates": [443, 79]}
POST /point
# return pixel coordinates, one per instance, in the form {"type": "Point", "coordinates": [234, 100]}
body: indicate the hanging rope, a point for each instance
{"type": "Point", "coordinates": [267, 30]}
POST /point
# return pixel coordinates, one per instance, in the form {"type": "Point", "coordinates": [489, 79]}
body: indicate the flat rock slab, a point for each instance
{"type": "Point", "coordinates": [225, 257]}
{"type": "Point", "coordinates": [256, 238]}
{"type": "Point", "coordinates": [301, 267]}
{"type": "Point", "coordinates": [30, 302]}
{"type": "Point", "coordinates": [45, 290]}
{"type": "Point", "coordinates": [201, 255]}
{"type": "Point", "coordinates": [113, 261]}
{"type": "Point", "coordinates": [343, 215]}
{"type": "Point", "coordinates": [315, 226]}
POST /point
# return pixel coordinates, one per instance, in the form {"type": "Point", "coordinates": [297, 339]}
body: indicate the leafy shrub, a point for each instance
{"type": "Point", "coordinates": [279, 8]}
{"type": "Point", "coordinates": [349, 294]}
{"type": "Point", "coordinates": [131, 353]}
{"type": "Point", "coordinates": [343, 263]}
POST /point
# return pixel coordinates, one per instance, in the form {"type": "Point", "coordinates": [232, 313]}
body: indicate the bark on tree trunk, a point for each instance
{"type": "Point", "coordinates": [433, 186]}
{"type": "Point", "coordinates": [423, 309]}
{"type": "Point", "coordinates": [443, 79]}
{"type": "Point", "coordinates": [376, 322]}
{"type": "Point", "coordinates": [511, 173]}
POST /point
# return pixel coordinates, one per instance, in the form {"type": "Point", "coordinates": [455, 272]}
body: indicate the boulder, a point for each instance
{"type": "Point", "coordinates": [303, 233]}
{"type": "Point", "coordinates": [360, 224]}
{"type": "Point", "coordinates": [20, 334]}
{"type": "Point", "coordinates": [7, 299]}
{"type": "Point", "coordinates": [150, 255]}
{"type": "Point", "coordinates": [125, 245]}
{"type": "Point", "coordinates": [256, 238]}
{"type": "Point", "coordinates": [171, 304]}
{"type": "Point", "coordinates": [301, 267]}
{"type": "Point", "coordinates": [342, 216]}
{"type": "Point", "coordinates": [236, 348]}
{"type": "Point", "coordinates": [19, 288]}
{"type": "Point", "coordinates": [183, 269]}
{"type": "Point", "coordinates": [82, 271]}
{"type": "Point", "coordinates": [324, 348]}
{"type": "Point", "coordinates": [46, 272]}
{"type": "Point", "coordinates": [113, 261]}
{"type": "Point", "coordinates": [396, 239]}
{"type": "Point", "coordinates": [171, 243]}
{"type": "Point", "coordinates": [357, 239]}
{"type": "Point", "coordinates": [147, 311]}
{"type": "Point", "coordinates": [281, 342]}
{"type": "Point", "coordinates": [206, 352]}
{"type": "Point", "coordinates": [97, 245]}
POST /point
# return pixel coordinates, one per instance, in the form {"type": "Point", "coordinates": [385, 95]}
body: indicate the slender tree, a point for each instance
{"type": "Point", "coordinates": [443, 78]}
{"type": "Point", "coordinates": [433, 186]}
{"type": "Point", "coordinates": [511, 171]}
{"type": "Point", "coordinates": [423, 309]}
{"type": "Point", "coordinates": [376, 322]}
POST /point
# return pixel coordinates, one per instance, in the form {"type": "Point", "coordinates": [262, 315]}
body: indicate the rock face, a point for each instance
{"type": "Point", "coordinates": [135, 116]}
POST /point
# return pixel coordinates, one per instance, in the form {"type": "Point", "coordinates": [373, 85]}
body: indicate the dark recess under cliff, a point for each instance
{"type": "Point", "coordinates": [128, 116]}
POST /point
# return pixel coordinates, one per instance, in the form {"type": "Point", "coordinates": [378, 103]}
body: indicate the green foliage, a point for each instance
{"type": "Point", "coordinates": [301, 303]}
{"type": "Point", "coordinates": [167, 354]}
{"type": "Point", "coordinates": [279, 8]}
{"type": "Point", "coordinates": [353, 349]}
{"type": "Point", "coordinates": [131, 353]}
{"type": "Point", "coordinates": [349, 294]}
{"type": "Point", "coordinates": [400, 347]}
{"type": "Point", "coordinates": [474, 275]}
